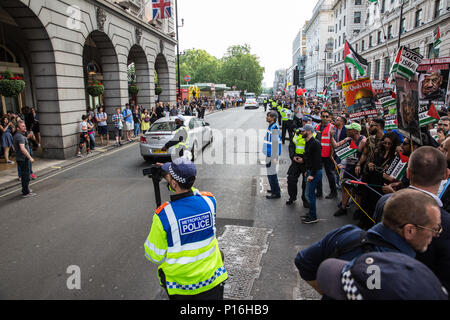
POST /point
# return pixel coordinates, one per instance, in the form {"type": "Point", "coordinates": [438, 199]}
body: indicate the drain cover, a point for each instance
{"type": "Point", "coordinates": [243, 248]}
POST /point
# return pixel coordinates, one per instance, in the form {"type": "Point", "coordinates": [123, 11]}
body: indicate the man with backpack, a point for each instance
{"type": "Point", "coordinates": [402, 230]}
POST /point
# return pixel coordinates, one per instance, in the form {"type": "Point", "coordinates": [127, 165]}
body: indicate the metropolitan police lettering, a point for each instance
{"type": "Point", "coordinates": [196, 223]}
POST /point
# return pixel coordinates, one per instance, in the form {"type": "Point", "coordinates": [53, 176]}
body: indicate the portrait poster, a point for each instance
{"type": "Point", "coordinates": [434, 82]}
{"type": "Point", "coordinates": [408, 108]}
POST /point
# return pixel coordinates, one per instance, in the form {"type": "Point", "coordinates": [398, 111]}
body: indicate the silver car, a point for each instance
{"type": "Point", "coordinates": [163, 130]}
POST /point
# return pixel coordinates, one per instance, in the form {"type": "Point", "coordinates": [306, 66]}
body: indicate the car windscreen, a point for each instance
{"type": "Point", "coordinates": [162, 126]}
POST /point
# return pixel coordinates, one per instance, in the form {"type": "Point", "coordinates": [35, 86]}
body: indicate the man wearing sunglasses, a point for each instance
{"type": "Point", "coordinates": [427, 167]}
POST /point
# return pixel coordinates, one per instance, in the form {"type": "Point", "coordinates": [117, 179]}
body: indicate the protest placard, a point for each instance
{"type": "Point", "coordinates": [359, 98]}
{"type": "Point", "coordinates": [406, 63]}
{"type": "Point", "coordinates": [407, 108]}
{"type": "Point", "coordinates": [346, 150]}
{"type": "Point", "coordinates": [397, 168]}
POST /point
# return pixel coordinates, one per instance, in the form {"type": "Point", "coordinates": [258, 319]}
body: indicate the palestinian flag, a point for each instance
{"type": "Point", "coordinates": [397, 169]}
{"type": "Point", "coordinates": [427, 114]}
{"type": "Point", "coordinates": [350, 56]}
{"type": "Point", "coordinates": [406, 63]}
{"type": "Point", "coordinates": [386, 99]}
{"type": "Point", "coordinates": [390, 122]}
{"type": "Point", "coordinates": [346, 150]}
{"type": "Point", "coordinates": [437, 37]}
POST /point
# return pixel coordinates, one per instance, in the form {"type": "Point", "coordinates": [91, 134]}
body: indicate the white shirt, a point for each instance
{"type": "Point", "coordinates": [83, 124]}
{"type": "Point", "coordinates": [435, 197]}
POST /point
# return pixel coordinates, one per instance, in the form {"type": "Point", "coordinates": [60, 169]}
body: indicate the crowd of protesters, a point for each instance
{"type": "Point", "coordinates": [407, 214]}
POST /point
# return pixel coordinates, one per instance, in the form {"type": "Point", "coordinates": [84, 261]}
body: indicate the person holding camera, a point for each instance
{"type": "Point", "coordinates": [182, 239]}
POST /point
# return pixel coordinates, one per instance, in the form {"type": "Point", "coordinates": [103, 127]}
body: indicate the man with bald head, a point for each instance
{"type": "Point", "coordinates": [445, 193]}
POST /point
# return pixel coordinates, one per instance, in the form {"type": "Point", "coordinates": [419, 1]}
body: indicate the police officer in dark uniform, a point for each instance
{"type": "Point", "coordinates": [297, 168]}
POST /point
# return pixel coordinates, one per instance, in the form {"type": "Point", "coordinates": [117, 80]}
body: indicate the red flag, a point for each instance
{"type": "Point", "coordinates": [432, 112]}
{"type": "Point", "coordinates": [353, 145]}
{"type": "Point", "coordinates": [348, 76]}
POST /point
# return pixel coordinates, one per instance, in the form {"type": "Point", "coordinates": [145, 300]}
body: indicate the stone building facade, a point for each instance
{"type": "Point", "coordinates": [59, 47]}
{"type": "Point", "coordinates": [319, 38]}
{"type": "Point", "coordinates": [377, 40]}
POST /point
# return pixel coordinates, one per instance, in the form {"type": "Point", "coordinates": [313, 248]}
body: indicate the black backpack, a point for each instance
{"type": "Point", "coordinates": [366, 245]}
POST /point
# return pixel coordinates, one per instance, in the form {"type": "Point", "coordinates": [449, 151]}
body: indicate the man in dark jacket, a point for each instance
{"type": "Point", "coordinates": [402, 230]}
{"type": "Point", "coordinates": [313, 164]}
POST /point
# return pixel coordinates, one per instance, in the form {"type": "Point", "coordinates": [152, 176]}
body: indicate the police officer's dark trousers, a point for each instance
{"type": "Point", "coordinates": [294, 172]}
{"type": "Point", "coordinates": [287, 126]}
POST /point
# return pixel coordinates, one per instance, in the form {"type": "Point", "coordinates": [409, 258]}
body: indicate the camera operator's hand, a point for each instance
{"type": "Point", "coordinates": [159, 164]}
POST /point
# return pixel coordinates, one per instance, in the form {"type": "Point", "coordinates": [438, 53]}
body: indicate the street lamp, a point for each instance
{"type": "Point", "coordinates": [178, 50]}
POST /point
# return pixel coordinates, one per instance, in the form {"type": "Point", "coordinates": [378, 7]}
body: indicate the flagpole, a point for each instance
{"type": "Point", "coordinates": [400, 24]}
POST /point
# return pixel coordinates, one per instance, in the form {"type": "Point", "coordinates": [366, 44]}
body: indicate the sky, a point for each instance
{"type": "Point", "coordinates": [269, 27]}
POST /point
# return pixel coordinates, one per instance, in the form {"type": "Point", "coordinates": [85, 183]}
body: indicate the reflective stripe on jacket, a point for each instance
{"type": "Point", "coordinates": [325, 140]}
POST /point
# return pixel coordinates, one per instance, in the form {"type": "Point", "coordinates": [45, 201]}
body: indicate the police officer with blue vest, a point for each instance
{"type": "Point", "coordinates": [272, 150]}
{"type": "Point", "coordinates": [182, 239]}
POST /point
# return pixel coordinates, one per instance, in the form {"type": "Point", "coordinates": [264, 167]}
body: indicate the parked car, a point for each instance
{"type": "Point", "coordinates": [251, 103]}
{"type": "Point", "coordinates": [163, 130]}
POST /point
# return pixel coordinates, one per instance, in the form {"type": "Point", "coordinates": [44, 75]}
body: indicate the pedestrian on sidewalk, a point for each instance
{"type": "Point", "coordinates": [102, 126]}
{"type": "Point", "coordinates": [137, 121]}
{"type": "Point", "coordinates": [118, 121]}
{"type": "Point", "coordinates": [30, 137]}
{"type": "Point", "coordinates": [128, 124]}
{"type": "Point", "coordinates": [7, 130]}
{"type": "Point", "coordinates": [91, 132]}
{"type": "Point", "coordinates": [313, 162]}
{"type": "Point", "coordinates": [84, 137]}
{"type": "Point", "coordinates": [23, 157]}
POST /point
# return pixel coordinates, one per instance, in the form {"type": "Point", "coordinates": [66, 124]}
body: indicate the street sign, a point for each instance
{"type": "Point", "coordinates": [187, 78]}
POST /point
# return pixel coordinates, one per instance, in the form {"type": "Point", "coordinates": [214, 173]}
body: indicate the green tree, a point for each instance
{"type": "Point", "coordinates": [240, 68]}
{"type": "Point", "coordinates": [199, 65]}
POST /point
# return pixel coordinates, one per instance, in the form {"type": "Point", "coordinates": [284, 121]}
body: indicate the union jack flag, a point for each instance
{"type": "Point", "coordinates": [161, 9]}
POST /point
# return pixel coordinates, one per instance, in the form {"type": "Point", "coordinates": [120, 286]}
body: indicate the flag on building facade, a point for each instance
{"type": "Point", "coordinates": [437, 37]}
{"type": "Point", "coordinates": [162, 9]}
{"type": "Point", "coordinates": [406, 63]}
{"type": "Point", "coordinates": [350, 56]}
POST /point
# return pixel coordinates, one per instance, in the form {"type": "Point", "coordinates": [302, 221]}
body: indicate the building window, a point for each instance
{"type": "Point", "coordinates": [390, 31]}
{"type": "Point", "coordinates": [387, 67]}
{"type": "Point", "coordinates": [357, 2]}
{"type": "Point", "coordinates": [379, 37]}
{"type": "Point", "coordinates": [362, 46]}
{"type": "Point", "coordinates": [357, 17]}
{"type": "Point", "coordinates": [339, 40]}
{"type": "Point", "coordinates": [402, 25]}
{"type": "Point", "coordinates": [344, 21]}
{"type": "Point", "coordinates": [377, 69]}
{"type": "Point", "coordinates": [383, 2]}
{"type": "Point", "coordinates": [330, 29]}
{"type": "Point", "coordinates": [340, 25]}
{"type": "Point", "coordinates": [356, 47]}
{"type": "Point", "coordinates": [369, 69]}
{"type": "Point", "coordinates": [418, 18]}
{"type": "Point", "coordinates": [370, 41]}
{"type": "Point", "coordinates": [437, 8]}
